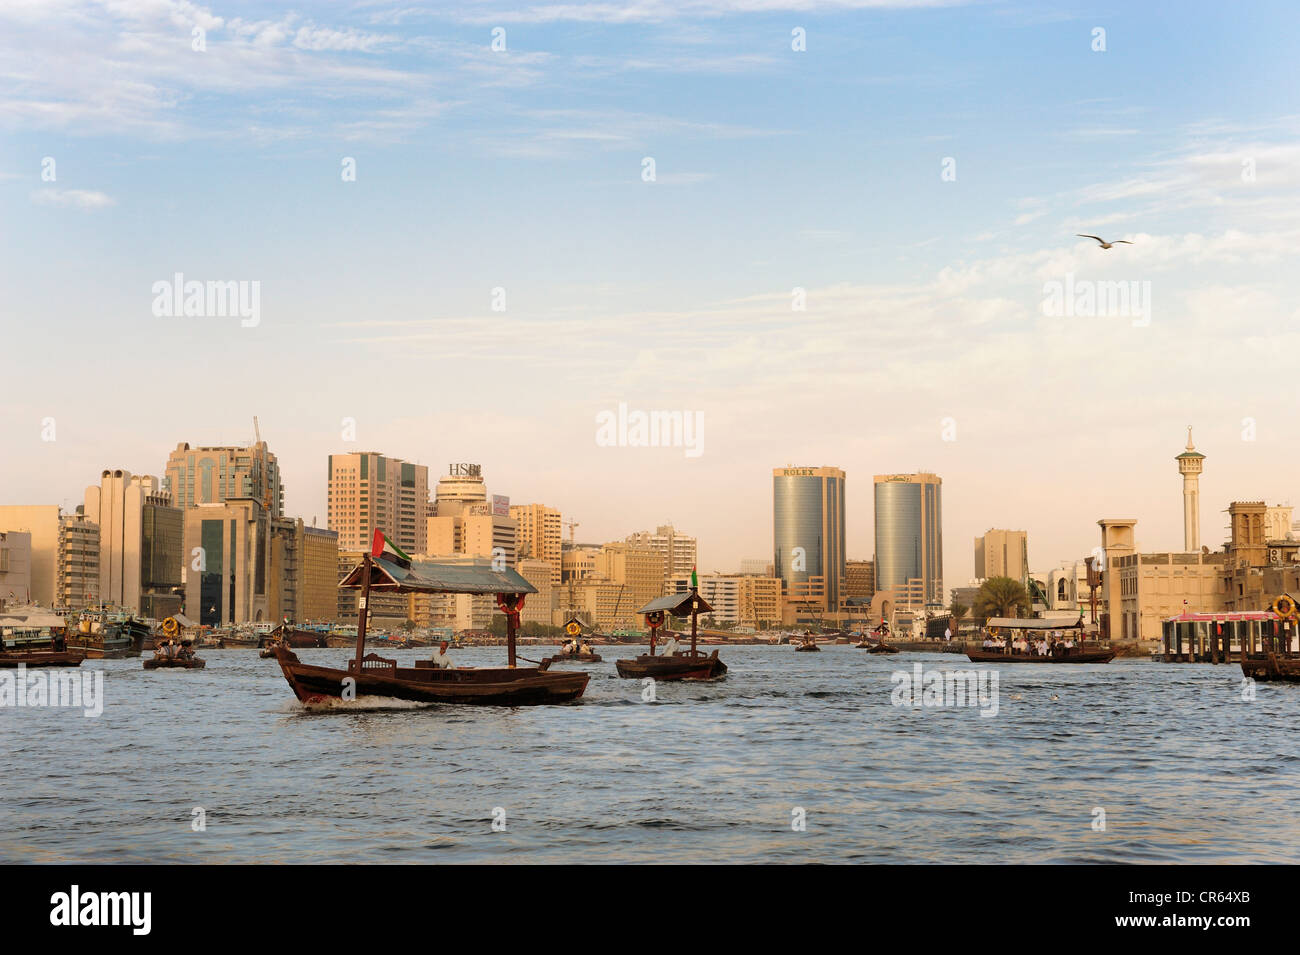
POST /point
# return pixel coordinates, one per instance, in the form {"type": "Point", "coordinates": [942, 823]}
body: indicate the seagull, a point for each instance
{"type": "Point", "coordinates": [1104, 243]}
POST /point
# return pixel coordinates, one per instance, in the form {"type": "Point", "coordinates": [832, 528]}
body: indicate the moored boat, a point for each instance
{"type": "Point", "coordinates": [41, 658]}
{"type": "Point", "coordinates": [385, 569]}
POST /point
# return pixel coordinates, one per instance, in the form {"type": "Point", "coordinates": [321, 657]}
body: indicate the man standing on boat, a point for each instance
{"type": "Point", "coordinates": [440, 659]}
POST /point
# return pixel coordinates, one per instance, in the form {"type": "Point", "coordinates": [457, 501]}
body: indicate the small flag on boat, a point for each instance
{"type": "Point", "coordinates": [389, 551]}
{"type": "Point", "coordinates": [695, 580]}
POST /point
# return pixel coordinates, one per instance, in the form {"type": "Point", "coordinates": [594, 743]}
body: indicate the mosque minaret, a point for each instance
{"type": "Point", "coordinates": [1190, 463]}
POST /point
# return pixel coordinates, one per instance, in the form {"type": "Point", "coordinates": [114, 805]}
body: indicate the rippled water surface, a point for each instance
{"type": "Point", "coordinates": [1185, 770]}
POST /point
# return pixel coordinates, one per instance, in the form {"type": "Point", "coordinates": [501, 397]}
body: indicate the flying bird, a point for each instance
{"type": "Point", "coordinates": [1104, 243]}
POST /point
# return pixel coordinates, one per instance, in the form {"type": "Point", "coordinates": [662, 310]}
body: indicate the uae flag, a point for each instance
{"type": "Point", "coordinates": [386, 549]}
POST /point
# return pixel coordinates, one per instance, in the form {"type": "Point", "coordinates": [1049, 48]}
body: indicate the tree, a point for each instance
{"type": "Point", "coordinates": [1000, 597]}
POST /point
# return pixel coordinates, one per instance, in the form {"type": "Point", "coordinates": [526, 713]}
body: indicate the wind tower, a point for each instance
{"type": "Point", "coordinates": [1190, 464]}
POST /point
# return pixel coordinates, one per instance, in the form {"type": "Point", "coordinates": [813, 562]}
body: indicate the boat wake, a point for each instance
{"type": "Point", "coordinates": [366, 704]}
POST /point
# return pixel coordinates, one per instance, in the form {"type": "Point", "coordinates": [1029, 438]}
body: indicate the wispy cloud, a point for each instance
{"type": "Point", "coordinates": [72, 198]}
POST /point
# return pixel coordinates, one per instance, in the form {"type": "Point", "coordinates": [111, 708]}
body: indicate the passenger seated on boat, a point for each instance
{"type": "Point", "coordinates": [440, 659]}
{"type": "Point", "coordinates": [988, 643]}
{"type": "Point", "coordinates": [671, 647]}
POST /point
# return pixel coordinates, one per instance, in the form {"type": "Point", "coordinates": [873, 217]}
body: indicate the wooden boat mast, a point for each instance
{"type": "Point", "coordinates": [363, 611]}
{"type": "Point", "coordinates": [695, 616]}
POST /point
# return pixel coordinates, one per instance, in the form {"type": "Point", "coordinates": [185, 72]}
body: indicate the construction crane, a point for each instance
{"type": "Point", "coordinates": [259, 457]}
{"type": "Point", "coordinates": [570, 524]}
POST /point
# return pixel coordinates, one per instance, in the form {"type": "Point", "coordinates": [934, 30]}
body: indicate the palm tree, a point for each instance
{"type": "Point", "coordinates": [957, 611]}
{"type": "Point", "coordinates": [1000, 597]}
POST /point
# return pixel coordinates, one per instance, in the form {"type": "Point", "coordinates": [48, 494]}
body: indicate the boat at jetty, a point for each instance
{"type": "Point", "coordinates": [385, 569]}
{"type": "Point", "coordinates": [1004, 630]}
{"type": "Point", "coordinates": [297, 638]}
{"type": "Point", "coordinates": [1266, 654]}
{"type": "Point", "coordinates": [30, 636]}
{"type": "Point", "coordinates": [108, 636]}
{"type": "Point", "coordinates": [690, 664]}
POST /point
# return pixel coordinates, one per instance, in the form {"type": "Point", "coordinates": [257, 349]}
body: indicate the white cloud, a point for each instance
{"type": "Point", "coordinates": [73, 198]}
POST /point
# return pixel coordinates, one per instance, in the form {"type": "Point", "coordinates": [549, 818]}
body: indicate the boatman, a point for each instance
{"type": "Point", "coordinates": [671, 647]}
{"type": "Point", "coordinates": [440, 659]}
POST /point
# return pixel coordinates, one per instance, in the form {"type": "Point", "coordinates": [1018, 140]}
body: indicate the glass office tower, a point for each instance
{"type": "Point", "coordinates": [909, 535]}
{"type": "Point", "coordinates": [808, 528]}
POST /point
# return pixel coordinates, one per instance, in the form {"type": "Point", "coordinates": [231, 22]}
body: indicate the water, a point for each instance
{"type": "Point", "coordinates": [1186, 771]}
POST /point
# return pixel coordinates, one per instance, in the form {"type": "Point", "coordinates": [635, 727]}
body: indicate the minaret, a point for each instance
{"type": "Point", "coordinates": [1190, 463]}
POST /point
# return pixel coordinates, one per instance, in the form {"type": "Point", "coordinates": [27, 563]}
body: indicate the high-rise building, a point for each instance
{"type": "Point", "coordinates": [141, 543]}
{"type": "Point", "coordinates": [808, 532]}
{"type": "Point", "coordinates": [538, 606]}
{"type": "Point", "coordinates": [304, 572]}
{"type": "Point", "coordinates": [78, 585]}
{"type": "Point", "coordinates": [212, 475]}
{"type": "Point", "coordinates": [539, 535]}
{"type": "Point", "coordinates": [229, 579]}
{"type": "Point", "coordinates": [368, 491]}
{"type": "Point", "coordinates": [640, 570]}
{"type": "Point", "coordinates": [459, 490]}
{"type": "Point", "coordinates": [1001, 553]}
{"type": "Point", "coordinates": [680, 552]}
{"type": "Point", "coordinates": [1190, 464]}
{"type": "Point", "coordinates": [475, 533]}
{"type": "Point", "coordinates": [909, 536]}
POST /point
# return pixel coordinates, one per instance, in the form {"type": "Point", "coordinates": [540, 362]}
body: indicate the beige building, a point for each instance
{"type": "Point", "coordinates": [600, 603]}
{"type": "Point", "coordinates": [141, 543]}
{"type": "Point", "coordinates": [475, 533]}
{"type": "Point", "coordinates": [680, 552]}
{"type": "Point", "coordinates": [303, 572]}
{"type": "Point", "coordinates": [760, 601]}
{"type": "Point", "coordinates": [1140, 590]}
{"type": "Point", "coordinates": [1002, 553]}
{"type": "Point", "coordinates": [230, 578]}
{"type": "Point", "coordinates": [213, 475]}
{"type": "Point", "coordinates": [459, 491]}
{"type": "Point", "coordinates": [640, 569]}
{"type": "Point", "coordinates": [15, 568]}
{"type": "Point", "coordinates": [538, 607]}
{"type": "Point", "coordinates": [369, 491]}
{"type": "Point", "coordinates": [539, 535]}
{"type": "Point", "coordinates": [78, 582]}
{"type": "Point", "coordinates": [859, 580]}
{"type": "Point", "coordinates": [41, 522]}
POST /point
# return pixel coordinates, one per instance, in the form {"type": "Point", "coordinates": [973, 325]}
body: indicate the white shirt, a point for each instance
{"type": "Point", "coordinates": [671, 647]}
{"type": "Point", "coordinates": [441, 660]}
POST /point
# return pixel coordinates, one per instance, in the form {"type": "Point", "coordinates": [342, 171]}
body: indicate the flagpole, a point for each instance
{"type": "Point", "coordinates": [363, 612]}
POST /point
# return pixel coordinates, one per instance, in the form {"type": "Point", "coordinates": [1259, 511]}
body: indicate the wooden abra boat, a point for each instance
{"type": "Point", "coordinates": [691, 664]}
{"type": "Point", "coordinates": [175, 663]}
{"type": "Point", "coordinates": [387, 570]}
{"type": "Point", "coordinates": [574, 629]}
{"type": "Point", "coordinates": [1271, 668]}
{"type": "Point", "coordinates": [293, 637]}
{"type": "Point", "coordinates": [1076, 654]}
{"type": "Point", "coordinates": [41, 658]}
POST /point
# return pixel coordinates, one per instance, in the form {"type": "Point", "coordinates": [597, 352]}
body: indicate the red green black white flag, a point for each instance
{"type": "Point", "coordinates": [389, 551]}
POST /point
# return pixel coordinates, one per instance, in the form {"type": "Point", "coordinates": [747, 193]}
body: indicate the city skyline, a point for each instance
{"type": "Point", "coordinates": [770, 297]}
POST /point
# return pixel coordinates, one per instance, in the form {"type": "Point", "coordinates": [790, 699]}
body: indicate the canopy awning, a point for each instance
{"type": "Point", "coordinates": [30, 619]}
{"type": "Point", "coordinates": [433, 577]}
{"type": "Point", "coordinates": [679, 605]}
{"type": "Point", "coordinates": [1035, 623]}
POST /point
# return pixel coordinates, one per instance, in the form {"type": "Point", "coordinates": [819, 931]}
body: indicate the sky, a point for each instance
{"type": "Point", "coordinates": [834, 232]}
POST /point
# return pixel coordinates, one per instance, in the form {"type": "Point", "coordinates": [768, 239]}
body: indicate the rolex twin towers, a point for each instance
{"type": "Point", "coordinates": [809, 550]}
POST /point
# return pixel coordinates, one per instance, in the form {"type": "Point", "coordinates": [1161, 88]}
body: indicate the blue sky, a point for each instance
{"type": "Point", "coordinates": [775, 169]}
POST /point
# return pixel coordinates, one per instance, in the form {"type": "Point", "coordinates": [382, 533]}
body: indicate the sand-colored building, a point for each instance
{"type": "Point", "coordinates": [680, 552]}
{"type": "Point", "coordinates": [304, 572]}
{"type": "Point", "coordinates": [141, 543]}
{"type": "Point", "coordinates": [369, 491]}
{"type": "Point", "coordinates": [15, 568]}
{"type": "Point", "coordinates": [538, 607]}
{"type": "Point", "coordinates": [1002, 553]}
{"type": "Point", "coordinates": [212, 475]}
{"type": "Point", "coordinates": [538, 535]}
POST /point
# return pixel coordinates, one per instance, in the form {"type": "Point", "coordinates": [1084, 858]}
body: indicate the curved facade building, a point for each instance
{"type": "Point", "coordinates": [909, 536]}
{"type": "Point", "coordinates": [808, 529]}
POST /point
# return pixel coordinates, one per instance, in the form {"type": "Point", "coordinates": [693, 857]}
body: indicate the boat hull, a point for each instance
{"type": "Point", "coordinates": [809, 649]}
{"type": "Point", "coordinates": [521, 686]}
{"type": "Point", "coordinates": [1270, 668]}
{"type": "Point", "coordinates": [676, 667]}
{"type": "Point", "coordinates": [573, 658]}
{"type": "Point", "coordinates": [994, 656]}
{"type": "Point", "coordinates": [41, 658]}
{"type": "Point", "coordinates": [194, 664]}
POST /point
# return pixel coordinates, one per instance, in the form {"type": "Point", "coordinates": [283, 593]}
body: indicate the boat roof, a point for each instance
{"type": "Point", "coordinates": [434, 577]}
{"type": "Point", "coordinates": [31, 617]}
{"type": "Point", "coordinates": [1034, 623]}
{"type": "Point", "coordinates": [679, 605]}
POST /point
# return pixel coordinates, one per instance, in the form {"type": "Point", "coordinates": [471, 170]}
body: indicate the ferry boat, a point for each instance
{"type": "Point", "coordinates": [32, 637]}
{"type": "Point", "coordinates": [690, 664]}
{"type": "Point", "coordinates": [385, 569]}
{"type": "Point", "coordinates": [1266, 654]}
{"type": "Point", "coordinates": [1009, 629]}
